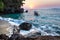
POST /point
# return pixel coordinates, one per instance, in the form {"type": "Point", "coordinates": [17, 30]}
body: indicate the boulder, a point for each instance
{"type": "Point", "coordinates": [4, 37]}
{"type": "Point", "coordinates": [36, 13]}
{"type": "Point", "coordinates": [5, 27]}
{"type": "Point", "coordinates": [26, 11]}
{"type": "Point", "coordinates": [25, 26]}
{"type": "Point", "coordinates": [16, 37]}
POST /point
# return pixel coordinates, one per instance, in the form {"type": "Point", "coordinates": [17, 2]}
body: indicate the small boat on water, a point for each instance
{"type": "Point", "coordinates": [36, 13]}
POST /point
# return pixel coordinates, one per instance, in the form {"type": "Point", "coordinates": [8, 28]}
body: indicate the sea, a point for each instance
{"type": "Point", "coordinates": [47, 22]}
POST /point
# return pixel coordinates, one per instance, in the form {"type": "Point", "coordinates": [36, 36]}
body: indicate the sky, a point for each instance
{"type": "Point", "coordinates": [34, 4]}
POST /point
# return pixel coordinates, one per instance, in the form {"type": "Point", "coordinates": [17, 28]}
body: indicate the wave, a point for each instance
{"type": "Point", "coordinates": [17, 22]}
{"type": "Point", "coordinates": [44, 29]}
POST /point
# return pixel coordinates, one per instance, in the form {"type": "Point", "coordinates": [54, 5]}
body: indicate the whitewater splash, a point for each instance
{"type": "Point", "coordinates": [40, 29]}
{"type": "Point", "coordinates": [17, 22]}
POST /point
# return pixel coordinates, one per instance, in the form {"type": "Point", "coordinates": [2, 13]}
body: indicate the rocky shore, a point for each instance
{"type": "Point", "coordinates": [4, 25]}
{"type": "Point", "coordinates": [5, 37]}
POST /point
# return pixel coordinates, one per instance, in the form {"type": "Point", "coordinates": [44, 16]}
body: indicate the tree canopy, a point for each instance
{"type": "Point", "coordinates": [1, 5]}
{"type": "Point", "coordinates": [11, 3]}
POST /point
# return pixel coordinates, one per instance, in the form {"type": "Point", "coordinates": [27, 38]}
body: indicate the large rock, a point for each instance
{"type": "Point", "coordinates": [25, 26]}
{"type": "Point", "coordinates": [4, 27]}
{"type": "Point", "coordinates": [4, 37]}
{"type": "Point", "coordinates": [36, 13]}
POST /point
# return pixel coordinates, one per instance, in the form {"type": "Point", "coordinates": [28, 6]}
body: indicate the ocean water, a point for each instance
{"type": "Point", "coordinates": [47, 23]}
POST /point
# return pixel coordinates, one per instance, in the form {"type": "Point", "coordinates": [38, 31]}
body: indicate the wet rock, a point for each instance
{"type": "Point", "coordinates": [25, 26]}
{"type": "Point", "coordinates": [4, 25]}
{"type": "Point", "coordinates": [36, 13]}
{"type": "Point", "coordinates": [4, 37]}
{"type": "Point", "coordinates": [34, 35]}
{"type": "Point", "coordinates": [47, 38]}
{"type": "Point", "coordinates": [26, 11]}
{"type": "Point", "coordinates": [20, 37]}
{"type": "Point", "coordinates": [16, 37]}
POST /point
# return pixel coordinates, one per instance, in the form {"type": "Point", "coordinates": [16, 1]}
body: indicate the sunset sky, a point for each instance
{"type": "Point", "coordinates": [32, 4]}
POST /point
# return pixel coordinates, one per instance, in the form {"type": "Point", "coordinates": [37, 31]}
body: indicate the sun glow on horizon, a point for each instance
{"type": "Point", "coordinates": [29, 4]}
{"type": "Point", "coordinates": [32, 4]}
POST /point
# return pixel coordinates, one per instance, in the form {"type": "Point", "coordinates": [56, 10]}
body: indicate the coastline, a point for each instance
{"type": "Point", "coordinates": [5, 24]}
{"type": "Point", "coordinates": [5, 27]}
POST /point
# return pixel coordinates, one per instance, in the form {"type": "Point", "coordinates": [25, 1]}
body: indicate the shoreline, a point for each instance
{"type": "Point", "coordinates": [13, 37]}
